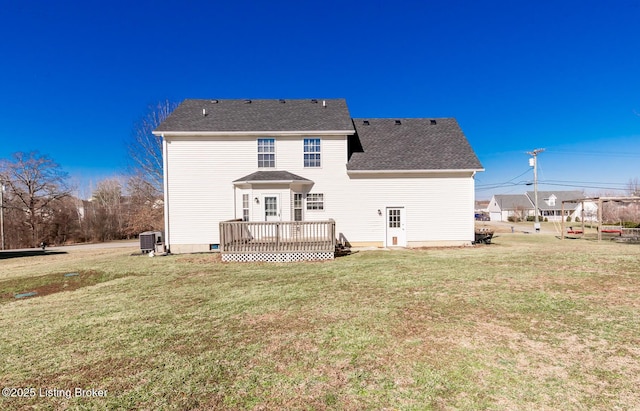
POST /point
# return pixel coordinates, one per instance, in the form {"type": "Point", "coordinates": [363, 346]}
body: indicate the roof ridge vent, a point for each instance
{"type": "Point", "coordinates": [433, 122]}
{"type": "Point", "coordinates": [398, 122]}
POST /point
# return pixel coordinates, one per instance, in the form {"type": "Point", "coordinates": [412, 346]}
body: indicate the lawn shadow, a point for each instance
{"type": "Point", "coordinates": [27, 253]}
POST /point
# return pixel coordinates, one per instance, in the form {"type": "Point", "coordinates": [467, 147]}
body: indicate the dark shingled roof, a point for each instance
{"type": "Point", "coordinates": [513, 202]}
{"type": "Point", "coordinates": [272, 176]}
{"type": "Point", "coordinates": [560, 197]}
{"type": "Point", "coordinates": [410, 144]}
{"type": "Point", "coordinates": [259, 115]}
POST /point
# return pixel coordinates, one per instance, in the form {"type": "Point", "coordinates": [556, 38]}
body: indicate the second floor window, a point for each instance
{"type": "Point", "coordinates": [266, 153]}
{"type": "Point", "coordinates": [312, 152]}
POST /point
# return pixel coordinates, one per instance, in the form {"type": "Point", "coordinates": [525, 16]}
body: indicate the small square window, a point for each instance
{"type": "Point", "coordinates": [315, 201]}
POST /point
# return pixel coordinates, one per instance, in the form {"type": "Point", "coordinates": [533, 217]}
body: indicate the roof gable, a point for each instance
{"type": "Point", "coordinates": [410, 144]}
{"type": "Point", "coordinates": [559, 197]}
{"type": "Point", "coordinates": [259, 115]}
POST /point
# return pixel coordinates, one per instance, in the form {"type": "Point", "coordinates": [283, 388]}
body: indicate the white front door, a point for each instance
{"type": "Point", "coordinates": [271, 207]}
{"type": "Point", "coordinates": [396, 234]}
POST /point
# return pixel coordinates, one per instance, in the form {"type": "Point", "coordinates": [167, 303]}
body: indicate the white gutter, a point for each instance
{"type": "Point", "coordinates": [253, 133]}
{"type": "Point", "coordinates": [272, 182]}
{"type": "Point", "coordinates": [444, 171]}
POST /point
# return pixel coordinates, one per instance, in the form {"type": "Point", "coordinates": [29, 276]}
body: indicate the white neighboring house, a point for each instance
{"type": "Point", "coordinates": [503, 206]}
{"type": "Point", "coordinates": [521, 206]}
{"type": "Point", "coordinates": [405, 182]}
{"type": "Point", "coordinates": [550, 205]}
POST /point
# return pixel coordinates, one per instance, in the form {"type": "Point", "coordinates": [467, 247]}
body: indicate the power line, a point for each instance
{"type": "Point", "coordinates": [596, 153]}
{"type": "Point", "coordinates": [506, 183]}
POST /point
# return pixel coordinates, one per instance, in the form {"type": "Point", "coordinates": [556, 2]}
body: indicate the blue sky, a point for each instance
{"type": "Point", "coordinates": [559, 75]}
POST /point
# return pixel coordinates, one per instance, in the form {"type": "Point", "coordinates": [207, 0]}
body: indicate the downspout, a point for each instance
{"type": "Point", "coordinates": [165, 175]}
{"type": "Point", "coordinates": [473, 206]}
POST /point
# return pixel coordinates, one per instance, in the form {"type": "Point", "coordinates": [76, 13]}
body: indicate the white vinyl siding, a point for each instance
{"type": "Point", "coordinates": [201, 192]}
{"type": "Point", "coordinates": [436, 208]}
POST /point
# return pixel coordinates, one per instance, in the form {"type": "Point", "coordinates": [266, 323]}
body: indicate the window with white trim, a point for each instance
{"type": "Point", "coordinates": [312, 152]}
{"type": "Point", "coordinates": [297, 207]}
{"type": "Point", "coordinates": [266, 153]}
{"type": "Point", "coordinates": [245, 207]}
{"type": "Point", "coordinates": [315, 201]}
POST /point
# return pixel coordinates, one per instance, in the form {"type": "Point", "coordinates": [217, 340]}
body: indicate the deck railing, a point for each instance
{"type": "Point", "coordinates": [277, 237]}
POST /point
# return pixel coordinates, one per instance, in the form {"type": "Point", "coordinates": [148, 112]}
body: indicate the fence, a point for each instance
{"type": "Point", "coordinates": [252, 237]}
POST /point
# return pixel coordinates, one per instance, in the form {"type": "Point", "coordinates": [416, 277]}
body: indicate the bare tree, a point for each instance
{"type": "Point", "coordinates": [145, 149]}
{"type": "Point", "coordinates": [108, 210]}
{"type": "Point", "coordinates": [34, 182]}
{"type": "Point", "coordinates": [633, 187]}
{"type": "Point", "coordinates": [145, 207]}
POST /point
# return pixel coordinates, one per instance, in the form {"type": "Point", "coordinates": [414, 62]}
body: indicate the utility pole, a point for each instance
{"type": "Point", "coordinates": [533, 161]}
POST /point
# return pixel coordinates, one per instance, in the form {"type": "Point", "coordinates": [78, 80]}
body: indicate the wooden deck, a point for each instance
{"type": "Point", "coordinates": [277, 237]}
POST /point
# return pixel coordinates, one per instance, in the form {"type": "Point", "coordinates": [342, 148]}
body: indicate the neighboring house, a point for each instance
{"type": "Point", "coordinates": [550, 205]}
{"type": "Point", "coordinates": [385, 182]}
{"type": "Point", "coordinates": [503, 206]}
{"type": "Point", "coordinates": [482, 206]}
{"type": "Point", "coordinates": [521, 206]}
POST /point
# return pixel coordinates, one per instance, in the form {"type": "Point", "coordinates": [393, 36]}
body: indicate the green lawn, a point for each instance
{"type": "Point", "coordinates": [529, 322]}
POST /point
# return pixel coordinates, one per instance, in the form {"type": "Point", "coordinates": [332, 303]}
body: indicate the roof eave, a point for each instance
{"type": "Point", "coordinates": [272, 182]}
{"type": "Point", "coordinates": [438, 171]}
{"type": "Point", "coordinates": [253, 133]}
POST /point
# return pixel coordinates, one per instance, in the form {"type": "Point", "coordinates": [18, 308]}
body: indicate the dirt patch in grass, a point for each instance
{"type": "Point", "coordinates": [13, 289]}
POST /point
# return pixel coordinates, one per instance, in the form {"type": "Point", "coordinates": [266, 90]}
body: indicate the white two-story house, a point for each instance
{"type": "Point", "coordinates": [385, 182]}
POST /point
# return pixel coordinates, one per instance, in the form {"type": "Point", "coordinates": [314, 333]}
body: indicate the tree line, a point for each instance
{"type": "Point", "coordinates": [38, 205]}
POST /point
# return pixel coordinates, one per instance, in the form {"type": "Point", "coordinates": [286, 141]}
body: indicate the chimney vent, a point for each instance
{"type": "Point", "coordinates": [204, 112]}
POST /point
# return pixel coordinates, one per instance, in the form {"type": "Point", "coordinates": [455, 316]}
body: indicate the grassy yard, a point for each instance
{"type": "Point", "coordinates": [529, 322]}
